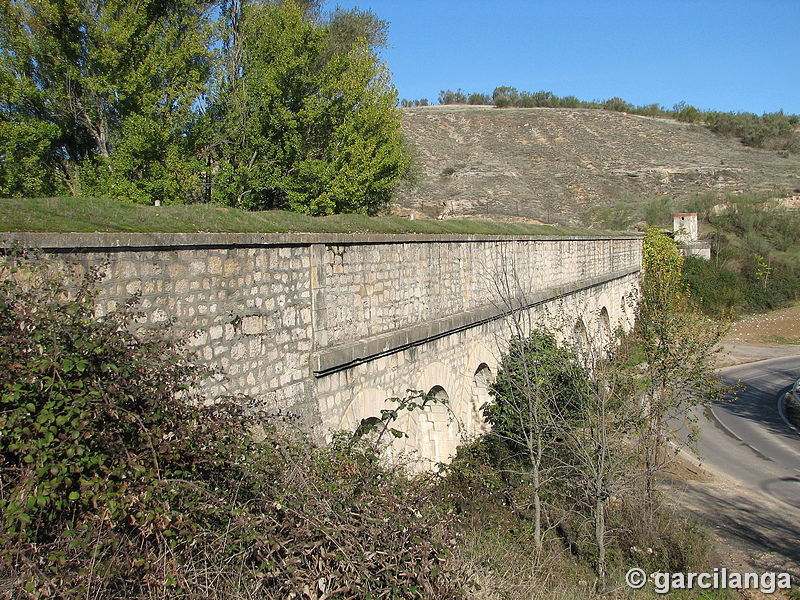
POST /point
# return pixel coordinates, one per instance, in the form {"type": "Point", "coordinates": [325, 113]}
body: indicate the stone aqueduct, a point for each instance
{"type": "Point", "coordinates": [329, 326]}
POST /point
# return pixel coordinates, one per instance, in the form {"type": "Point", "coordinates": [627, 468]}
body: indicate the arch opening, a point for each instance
{"type": "Point", "coordinates": [606, 333]}
{"type": "Point", "coordinates": [473, 421]}
{"type": "Point", "coordinates": [580, 337]}
{"type": "Point", "coordinates": [436, 443]}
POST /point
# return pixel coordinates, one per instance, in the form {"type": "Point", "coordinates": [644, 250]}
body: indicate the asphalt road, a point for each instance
{"type": "Point", "coordinates": [747, 440]}
{"type": "Point", "coordinates": [753, 503]}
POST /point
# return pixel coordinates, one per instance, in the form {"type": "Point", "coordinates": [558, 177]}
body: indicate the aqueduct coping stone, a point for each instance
{"type": "Point", "coordinates": [101, 240]}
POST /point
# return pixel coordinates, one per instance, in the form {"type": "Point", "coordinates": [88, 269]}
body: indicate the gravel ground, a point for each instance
{"type": "Point", "coordinates": [759, 337]}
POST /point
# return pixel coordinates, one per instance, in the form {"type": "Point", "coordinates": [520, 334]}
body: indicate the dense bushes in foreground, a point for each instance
{"type": "Point", "coordinates": [118, 481]}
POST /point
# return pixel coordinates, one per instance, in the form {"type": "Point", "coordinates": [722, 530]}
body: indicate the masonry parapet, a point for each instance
{"type": "Point", "coordinates": [329, 325]}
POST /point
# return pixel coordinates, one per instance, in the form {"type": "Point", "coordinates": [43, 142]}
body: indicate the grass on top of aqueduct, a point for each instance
{"type": "Point", "coordinates": [94, 214]}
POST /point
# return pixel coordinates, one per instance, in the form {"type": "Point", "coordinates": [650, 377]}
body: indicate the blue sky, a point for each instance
{"type": "Point", "coordinates": [729, 55]}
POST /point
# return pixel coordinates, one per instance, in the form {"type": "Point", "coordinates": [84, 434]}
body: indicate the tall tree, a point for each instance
{"type": "Point", "coordinates": [105, 75]}
{"type": "Point", "coordinates": [537, 395]}
{"type": "Point", "coordinates": [677, 343]}
{"type": "Point", "coordinates": [309, 121]}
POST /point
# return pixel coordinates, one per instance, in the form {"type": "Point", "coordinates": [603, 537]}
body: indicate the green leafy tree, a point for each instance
{"type": "Point", "coordinates": [617, 104]}
{"type": "Point", "coordinates": [478, 98]}
{"type": "Point", "coordinates": [662, 263]}
{"type": "Point", "coordinates": [451, 97]}
{"type": "Point", "coordinates": [28, 160]}
{"type": "Point", "coordinates": [676, 343]}
{"type": "Point", "coordinates": [539, 388]}
{"type": "Point", "coordinates": [351, 29]}
{"type": "Point", "coordinates": [687, 113]}
{"type": "Point", "coordinates": [568, 427]}
{"type": "Point", "coordinates": [312, 124]}
{"type": "Point", "coordinates": [92, 75]}
{"type": "Point", "coordinates": [505, 96]}
{"type": "Point", "coordinates": [602, 460]}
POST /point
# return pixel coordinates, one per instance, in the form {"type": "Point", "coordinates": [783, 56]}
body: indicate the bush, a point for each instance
{"type": "Point", "coordinates": [617, 104]}
{"type": "Point", "coordinates": [504, 97]}
{"type": "Point", "coordinates": [718, 292]}
{"type": "Point", "coordinates": [658, 212]}
{"type": "Point", "coordinates": [668, 542]}
{"type": "Point", "coordinates": [687, 113]}
{"type": "Point", "coordinates": [94, 442]}
{"type": "Point", "coordinates": [476, 98]}
{"type": "Point", "coordinates": [616, 218]}
{"type": "Point", "coordinates": [118, 481]}
{"type": "Point", "coordinates": [772, 131]}
{"type": "Point", "coordinates": [451, 97]}
{"type": "Point", "coordinates": [753, 266]}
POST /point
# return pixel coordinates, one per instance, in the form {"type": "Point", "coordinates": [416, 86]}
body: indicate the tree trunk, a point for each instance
{"type": "Point", "coordinates": [600, 540]}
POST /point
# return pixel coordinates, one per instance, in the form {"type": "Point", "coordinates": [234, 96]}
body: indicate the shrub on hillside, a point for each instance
{"type": "Point", "coordinates": [718, 292]}
{"type": "Point", "coordinates": [477, 98]}
{"type": "Point", "coordinates": [617, 104]}
{"type": "Point", "coordinates": [451, 97]}
{"type": "Point", "coordinates": [773, 131]}
{"type": "Point", "coordinates": [687, 113]}
{"type": "Point", "coordinates": [753, 266]}
{"type": "Point", "coordinates": [505, 96]}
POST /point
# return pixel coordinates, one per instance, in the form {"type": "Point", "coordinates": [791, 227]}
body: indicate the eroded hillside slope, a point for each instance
{"type": "Point", "coordinates": [556, 164]}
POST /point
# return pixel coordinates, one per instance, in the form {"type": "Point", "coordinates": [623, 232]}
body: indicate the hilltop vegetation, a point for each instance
{"type": "Point", "coordinates": [575, 166]}
{"type": "Point", "coordinates": [772, 131]}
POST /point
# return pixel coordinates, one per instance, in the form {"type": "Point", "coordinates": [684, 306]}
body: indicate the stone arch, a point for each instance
{"type": "Point", "coordinates": [474, 423]}
{"type": "Point", "coordinates": [606, 332]}
{"type": "Point", "coordinates": [367, 403]}
{"type": "Point", "coordinates": [580, 337]}
{"type": "Point", "coordinates": [473, 392]}
{"type": "Point", "coordinates": [436, 432]}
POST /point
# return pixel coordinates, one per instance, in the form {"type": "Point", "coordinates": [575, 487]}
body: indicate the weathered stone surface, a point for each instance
{"type": "Point", "coordinates": [329, 326]}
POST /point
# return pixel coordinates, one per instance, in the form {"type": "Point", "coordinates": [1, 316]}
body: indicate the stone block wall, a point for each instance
{"type": "Point", "coordinates": [372, 289]}
{"type": "Point", "coordinates": [242, 304]}
{"type": "Point", "coordinates": [296, 321]}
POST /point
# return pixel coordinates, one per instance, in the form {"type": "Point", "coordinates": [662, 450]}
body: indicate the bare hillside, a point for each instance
{"type": "Point", "coordinates": [555, 164]}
